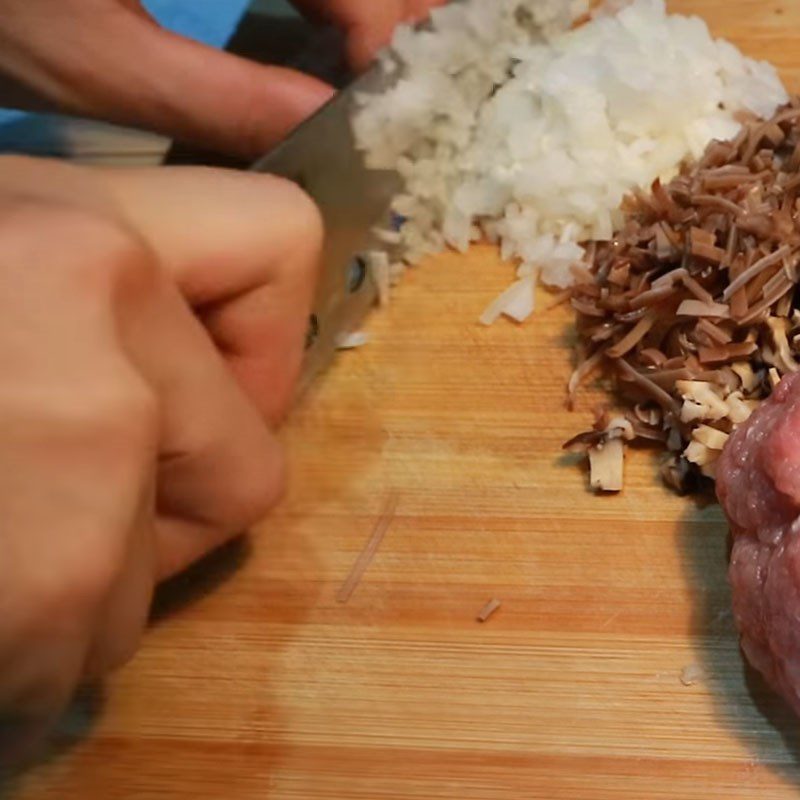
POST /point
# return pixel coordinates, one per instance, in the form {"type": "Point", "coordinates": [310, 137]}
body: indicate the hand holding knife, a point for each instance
{"type": "Point", "coordinates": [322, 158]}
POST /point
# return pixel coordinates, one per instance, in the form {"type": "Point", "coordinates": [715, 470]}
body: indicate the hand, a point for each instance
{"type": "Point", "coordinates": [151, 328]}
{"type": "Point", "coordinates": [369, 24]}
{"type": "Point", "coordinates": [108, 59]}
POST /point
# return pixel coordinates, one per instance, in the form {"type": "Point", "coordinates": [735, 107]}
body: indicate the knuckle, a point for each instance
{"type": "Point", "coordinates": [110, 254]}
{"type": "Point", "coordinates": [98, 252]}
{"type": "Point", "coordinates": [109, 426]}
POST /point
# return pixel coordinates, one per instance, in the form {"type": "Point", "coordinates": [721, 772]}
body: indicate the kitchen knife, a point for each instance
{"type": "Point", "coordinates": [322, 158]}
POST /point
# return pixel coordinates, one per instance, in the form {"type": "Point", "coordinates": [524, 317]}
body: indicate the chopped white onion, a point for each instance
{"type": "Point", "coordinates": [517, 302]}
{"type": "Point", "coordinates": [351, 341]}
{"type": "Point", "coordinates": [508, 124]}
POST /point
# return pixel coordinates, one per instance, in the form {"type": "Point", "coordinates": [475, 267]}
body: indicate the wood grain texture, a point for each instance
{"type": "Point", "coordinates": [255, 683]}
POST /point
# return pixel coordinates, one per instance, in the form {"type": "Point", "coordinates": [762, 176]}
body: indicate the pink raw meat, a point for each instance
{"type": "Point", "coordinates": [758, 484]}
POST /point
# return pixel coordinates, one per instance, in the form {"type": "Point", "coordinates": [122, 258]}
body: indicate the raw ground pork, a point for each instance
{"type": "Point", "coordinates": [758, 484]}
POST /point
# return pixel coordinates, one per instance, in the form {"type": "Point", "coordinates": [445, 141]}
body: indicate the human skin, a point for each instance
{"type": "Point", "coordinates": [151, 329]}
{"type": "Point", "coordinates": [109, 59]}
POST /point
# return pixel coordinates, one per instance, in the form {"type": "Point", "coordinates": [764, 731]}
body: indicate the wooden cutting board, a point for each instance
{"type": "Point", "coordinates": [255, 683]}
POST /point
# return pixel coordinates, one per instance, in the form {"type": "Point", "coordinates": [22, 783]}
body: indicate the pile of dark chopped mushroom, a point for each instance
{"type": "Point", "coordinates": [693, 307]}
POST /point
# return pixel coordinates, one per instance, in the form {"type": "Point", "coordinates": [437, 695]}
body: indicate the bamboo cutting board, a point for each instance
{"type": "Point", "coordinates": [255, 682]}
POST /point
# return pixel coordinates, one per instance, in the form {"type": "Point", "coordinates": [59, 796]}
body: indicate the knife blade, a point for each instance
{"type": "Point", "coordinates": [322, 158]}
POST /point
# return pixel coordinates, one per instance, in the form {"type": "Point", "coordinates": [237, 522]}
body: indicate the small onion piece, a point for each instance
{"type": "Point", "coordinates": [352, 341]}
{"type": "Point", "coordinates": [517, 302]}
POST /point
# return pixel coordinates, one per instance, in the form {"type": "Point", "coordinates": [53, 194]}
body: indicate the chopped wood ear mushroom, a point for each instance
{"type": "Point", "coordinates": [693, 306]}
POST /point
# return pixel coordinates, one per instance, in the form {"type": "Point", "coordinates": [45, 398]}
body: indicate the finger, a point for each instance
{"type": "Point", "coordinates": [183, 542]}
{"type": "Point", "coordinates": [223, 472]}
{"type": "Point", "coordinates": [220, 469]}
{"type": "Point", "coordinates": [368, 25]}
{"type": "Point", "coordinates": [118, 65]}
{"type": "Point", "coordinates": [244, 251]}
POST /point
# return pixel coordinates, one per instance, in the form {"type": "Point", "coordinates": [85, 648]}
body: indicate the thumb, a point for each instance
{"type": "Point", "coordinates": [122, 67]}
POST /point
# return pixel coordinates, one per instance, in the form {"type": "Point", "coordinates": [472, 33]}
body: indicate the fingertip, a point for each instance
{"type": "Point", "coordinates": [370, 34]}
{"type": "Point", "coordinates": [363, 46]}
{"type": "Point", "coordinates": [263, 332]}
{"type": "Point", "coordinates": [359, 55]}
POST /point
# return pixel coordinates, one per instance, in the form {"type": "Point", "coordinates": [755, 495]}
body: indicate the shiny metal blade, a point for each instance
{"type": "Point", "coordinates": [321, 157]}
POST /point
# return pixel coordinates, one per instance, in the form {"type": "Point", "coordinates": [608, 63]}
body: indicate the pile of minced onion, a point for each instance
{"type": "Point", "coordinates": [526, 122]}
